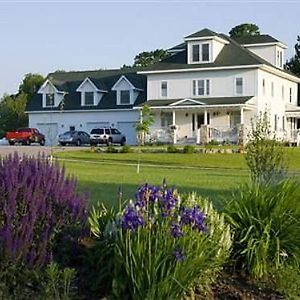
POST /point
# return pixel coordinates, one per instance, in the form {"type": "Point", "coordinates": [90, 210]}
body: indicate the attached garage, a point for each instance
{"type": "Point", "coordinates": [92, 125]}
{"type": "Point", "coordinates": [127, 128]}
{"type": "Point", "coordinates": [50, 130]}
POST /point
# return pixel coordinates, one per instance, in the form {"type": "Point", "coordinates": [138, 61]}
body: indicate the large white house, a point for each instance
{"type": "Point", "coordinates": [209, 88]}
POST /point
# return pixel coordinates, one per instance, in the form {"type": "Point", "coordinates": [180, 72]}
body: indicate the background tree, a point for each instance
{"type": "Point", "coordinates": [245, 29]}
{"type": "Point", "coordinates": [294, 63]}
{"type": "Point", "coordinates": [31, 84]}
{"type": "Point", "coordinates": [148, 58]}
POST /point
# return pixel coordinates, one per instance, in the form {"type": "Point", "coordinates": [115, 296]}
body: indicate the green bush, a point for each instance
{"type": "Point", "coordinates": [188, 149]}
{"type": "Point", "coordinates": [159, 246]}
{"type": "Point", "coordinates": [126, 149]}
{"type": "Point", "coordinates": [111, 149]}
{"type": "Point", "coordinates": [266, 224]}
{"type": "Point", "coordinates": [172, 149]}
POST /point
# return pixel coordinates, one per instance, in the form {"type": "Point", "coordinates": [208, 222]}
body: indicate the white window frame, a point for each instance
{"type": "Point", "coordinates": [235, 85]}
{"type": "Point", "coordinates": [83, 102]}
{"type": "Point", "coordinates": [161, 88]}
{"type": "Point", "coordinates": [119, 97]}
{"type": "Point", "coordinates": [200, 53]}
{"type": "Point", "coordinates": [45, 99]}
{"type": "Point", "coordinates": [205, 94]}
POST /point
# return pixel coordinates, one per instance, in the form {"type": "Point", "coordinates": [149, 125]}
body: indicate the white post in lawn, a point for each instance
{"type": "Point", "coordinates": [242, 115]}
{"type": "Point", "coordinates": [174, 124]}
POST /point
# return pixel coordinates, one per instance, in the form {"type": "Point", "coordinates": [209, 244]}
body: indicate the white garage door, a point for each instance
{"type": "Point", "coordinates": [128, 129]}
{"type": "Point", "coordinates": [50, 130]}
{"type": "Point", "coordinates": [92, 125]}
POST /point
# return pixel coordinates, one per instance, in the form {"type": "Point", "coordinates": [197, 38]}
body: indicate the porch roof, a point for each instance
{"type": "Point", "coordinates": [197, 102]}
{"type": "Point", "coordinates": [292, 111]}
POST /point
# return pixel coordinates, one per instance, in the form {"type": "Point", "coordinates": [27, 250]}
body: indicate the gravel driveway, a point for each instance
{"type": "Point", "coordinates": [34, 150]}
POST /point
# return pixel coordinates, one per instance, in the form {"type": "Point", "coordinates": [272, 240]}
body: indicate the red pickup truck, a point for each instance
{"type": "Point", "coordinates": [26, 136]}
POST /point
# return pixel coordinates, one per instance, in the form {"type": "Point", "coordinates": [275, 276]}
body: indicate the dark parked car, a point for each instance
{"type": "Point", "coordinates": [77, 138]}
{"type": "Point", "coordinates": [107, 136]}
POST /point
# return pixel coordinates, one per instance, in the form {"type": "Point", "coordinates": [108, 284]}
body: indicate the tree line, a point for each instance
{"type": "Point", "coordinates": [13, 107]}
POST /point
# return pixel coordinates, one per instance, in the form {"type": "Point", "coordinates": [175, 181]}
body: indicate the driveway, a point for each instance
{"type": "Point", "coordinates": [34, 150]}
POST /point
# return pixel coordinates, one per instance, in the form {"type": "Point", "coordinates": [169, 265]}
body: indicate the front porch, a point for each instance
{"type": "Point", "coordinates": [193, 122]}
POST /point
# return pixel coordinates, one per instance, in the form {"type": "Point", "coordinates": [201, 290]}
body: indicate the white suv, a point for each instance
{"type": "Point", "coordinates": [107, 136]}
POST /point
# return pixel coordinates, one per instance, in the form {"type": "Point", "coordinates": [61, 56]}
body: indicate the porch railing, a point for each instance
{"type": "Point", "coordinates": [224, 134]}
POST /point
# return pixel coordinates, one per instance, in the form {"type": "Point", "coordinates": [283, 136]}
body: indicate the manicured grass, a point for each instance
{"type": "Point", "coordinates": [211, 175]}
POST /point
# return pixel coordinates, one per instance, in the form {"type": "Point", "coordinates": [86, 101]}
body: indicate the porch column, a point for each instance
{"type": "Point", "coordinates": [205, 117]}
{"type": "Point", "coordinates": [242, 115]}
{"type": "Point", "coordinates": [174, 127]}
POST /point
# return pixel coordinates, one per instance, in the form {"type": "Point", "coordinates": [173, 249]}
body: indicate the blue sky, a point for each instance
{"type": "Point", "coordinates": [44, 36]}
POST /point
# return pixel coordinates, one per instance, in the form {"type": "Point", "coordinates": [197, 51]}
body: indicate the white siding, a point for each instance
{"type": "Point", "coordinates": [222, 83]}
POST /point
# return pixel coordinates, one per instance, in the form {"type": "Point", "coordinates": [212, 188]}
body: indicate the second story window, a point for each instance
{"type": "Point", "coordinates": [272, 89]}
{"type": "Point", "coordinates": [164, 89]}
{"type": "Point", "coordinates": [201, 87]}
{"type": "Point", "coordinates": [125, 97]}
{"type": "Point", "coordinates": [239, 86]}
{"type": "Point", "coordinates": [50, 99]}
{"type": "Point", "coordinates": [89, 98]}
{"type": "Point", "coordinates": [264, 86]}
{"type": "Point", "coordinates": [282, 92]}
{"type": "Point", "coordinates": [290, 95]}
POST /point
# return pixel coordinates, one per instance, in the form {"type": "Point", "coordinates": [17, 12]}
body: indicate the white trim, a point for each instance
{"type": "Point", "coordinates": [280, 73]}
{"type": "Point", "coordinates": [265, 44]}
{"type": "Point", "coordinates": [202, 69]}
{"type": "Point", "coordinates": [87, 79]}
{"type": "Point", "coordinates": [123, 77]}
{"type": "Point", "coordinates": [78, 110]}
{"type": "Point", "coordinates": [40, 91]}
{"type": "Point", "coordinates": [187, 99]}
{"type": "Point", "coordinates": [203, 38]}
{"type": "Point", "coordinates": [202, 106]}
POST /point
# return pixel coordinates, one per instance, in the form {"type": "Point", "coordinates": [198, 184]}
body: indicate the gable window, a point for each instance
{"type": "Point", "coordinates": [164, 88]}
{"type": "Point", "coordinates": [281, 59]}
{"type": "Point", "coordinates": [50, 99]}
{"type": "Point", "coordinates": [200, 53]}
{"type": "Point", "coordinates": [125, 97]}
{"type": "Point", "coordinates": [239, 86]}
{"type": "Point", "coordinates": [201, 87]}
{"type": "Point", "coordinates": [89, 98]}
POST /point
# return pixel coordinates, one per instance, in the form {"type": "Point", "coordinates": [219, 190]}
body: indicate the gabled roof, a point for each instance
{"type": "Point", "coordinates": [202, 33]}
{"type": "Point", "coordinates": [211, 101]}
{"type": "Point", "coordinates": [102, 79]}
{"type": "Point", "coordinates": [256, 39]}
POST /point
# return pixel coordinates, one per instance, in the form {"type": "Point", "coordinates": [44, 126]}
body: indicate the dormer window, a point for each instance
{"type": "Point", "coordinates": [49, 100]}
{"type": "Point", "coordinates": [125, 97]}
{"type": "Point", "coordinates": [201, 53]}
{"type": "Point", "coordinates": [89, 98]}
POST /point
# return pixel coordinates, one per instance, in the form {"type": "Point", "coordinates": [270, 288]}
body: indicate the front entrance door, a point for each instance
{"type": "Point", "coordinates": [197, 121]}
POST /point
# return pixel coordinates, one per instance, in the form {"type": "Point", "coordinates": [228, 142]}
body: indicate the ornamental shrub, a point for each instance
{"type": "Point", "coordinates": [164, 245]}
{"type": "Point", "coordinates": [266, 224]}
{"type": "Point", "coordinates": [188, 149]}
{"type": "Point", "coordinates": [37, 201]}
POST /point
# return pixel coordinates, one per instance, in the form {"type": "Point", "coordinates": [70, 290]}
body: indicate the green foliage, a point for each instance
{"type": "Point", "coordinates": [31, 84]}
{"type": "Point", "coordinates": [266, 224]}
{"type": "Point", "coordinates": [265, 156]}
{"type": "Point", "coordinates": [111, 149]}
{"type": "Point", "coordinates": [148, 58]}
{"type": "Point", "coordinates": [188, 149]}
{"type": "Point", "coordinates": [58, 283]}
{"type": "Point", "coordinates": [143, 127]}
{"type": "Point", "coordinates": [293, 64]}
{"type": "Point", "coordinates": [12, 112]}
{"type": "Point", "coordinates": [126, 149]}
{"type": "Point", "coordinates": [172, 149]}
{"type": "Point", "coordinates": [245, 29]}
{"type": "Point", "coordinates": [145, 264]}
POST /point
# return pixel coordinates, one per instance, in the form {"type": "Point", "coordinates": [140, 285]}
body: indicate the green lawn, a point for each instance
{"type": "Point", "coordinates": [211, 175]}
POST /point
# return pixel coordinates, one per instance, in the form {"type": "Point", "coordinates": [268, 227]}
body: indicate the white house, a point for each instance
{"type": "Point", "coordinates": [209, 88]}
